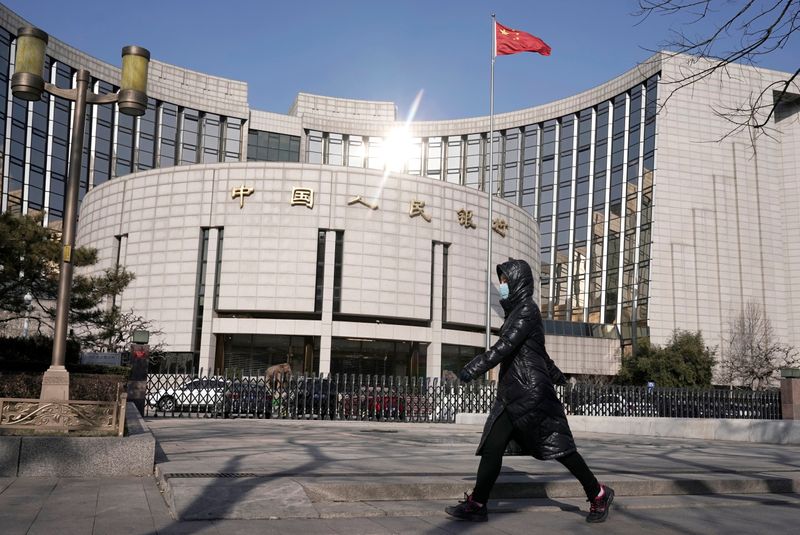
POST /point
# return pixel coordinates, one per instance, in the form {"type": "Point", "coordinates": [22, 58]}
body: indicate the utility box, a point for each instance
{"type": "Point", "coordinates": [137, 382]}
{"type": "Point", "coordinates": [790, 393]}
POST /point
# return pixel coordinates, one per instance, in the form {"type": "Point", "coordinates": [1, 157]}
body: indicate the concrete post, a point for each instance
{"type": "Point", "coordinates": [790, 393]}
{"type": "Point", "coordinates": [434, 363]}
{"type": "Point", "coordinates": [326, 339]}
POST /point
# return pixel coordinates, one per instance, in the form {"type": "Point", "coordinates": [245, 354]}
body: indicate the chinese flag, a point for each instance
{"type": "Point", "coordinates": [512, 41]}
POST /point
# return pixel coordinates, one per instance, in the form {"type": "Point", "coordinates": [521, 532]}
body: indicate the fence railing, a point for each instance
{"type": "Point", "coordinates": [332, 397]}
{"type": "Point", "coordinates": [609, 400]}
{"type": "Point", "coordinates": [411, 399]}
{"type": "Point", "coordinates": [40, 416]}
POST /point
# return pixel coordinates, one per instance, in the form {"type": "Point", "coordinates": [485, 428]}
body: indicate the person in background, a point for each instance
{"type": "Point", "coordinates": [527, 409]}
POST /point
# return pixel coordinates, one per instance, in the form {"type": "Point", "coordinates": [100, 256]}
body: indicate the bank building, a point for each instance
{"type": "Point", "coordinates": [345, 240]}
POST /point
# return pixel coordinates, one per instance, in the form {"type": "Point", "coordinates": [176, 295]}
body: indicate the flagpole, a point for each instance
{"type": "Point", "coordinates": [491, 192]}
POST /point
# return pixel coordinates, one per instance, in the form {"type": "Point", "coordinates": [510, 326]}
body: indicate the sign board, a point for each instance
{"type": "Point", "coordinates": [141, 337]}
{"type": "Point", "coordinates": [101, 358]}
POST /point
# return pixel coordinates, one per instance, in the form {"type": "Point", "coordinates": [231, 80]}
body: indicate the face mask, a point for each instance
{"type": "Point", "coordinates": [503, 291]}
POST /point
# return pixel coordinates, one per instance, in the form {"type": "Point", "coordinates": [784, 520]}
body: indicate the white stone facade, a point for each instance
{"type": "Point", "coordinates": [724, 216]}
{"type": "Point", "coordinates": [268, 265]}
{"type": "Point", "coordinates": [726, 222]}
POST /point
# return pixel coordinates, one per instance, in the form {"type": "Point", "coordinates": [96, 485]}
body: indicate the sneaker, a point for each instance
{"type": "Point", "coordinates": [598, 508]}
{"type": "Point", "coordinates": [468, 510]}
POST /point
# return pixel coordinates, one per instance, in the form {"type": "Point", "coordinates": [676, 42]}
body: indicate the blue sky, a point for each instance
{"type": "Point", "coordinates": [378, 49]}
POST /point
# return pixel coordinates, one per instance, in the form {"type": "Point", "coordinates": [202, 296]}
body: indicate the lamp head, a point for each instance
{"type": "Point", "coordinates": [27, 82]}
{"type": "Point", "coordinates": [132, 99]}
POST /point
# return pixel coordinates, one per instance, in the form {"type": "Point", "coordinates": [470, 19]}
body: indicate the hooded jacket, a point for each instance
{"type": "Point", "coordinates": [525, 386]}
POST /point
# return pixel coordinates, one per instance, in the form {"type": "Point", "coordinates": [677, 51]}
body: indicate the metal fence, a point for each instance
{"type": "Point", "coordinates": [331, 397]}
{"type": "Point", "coordinates": [410, 399]}
{"type": "Point", "coordinates": [590, 400]}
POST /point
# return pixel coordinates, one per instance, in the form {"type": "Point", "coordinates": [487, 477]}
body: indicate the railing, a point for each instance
{"type": "Point", "coordinates": [95, 417]}
{"type": "Point", "coordinates": [409, 399]}
{"type": "Point", "coordinates": [332, 397]}
{"type": "Point", "coordinates": [590, 400]}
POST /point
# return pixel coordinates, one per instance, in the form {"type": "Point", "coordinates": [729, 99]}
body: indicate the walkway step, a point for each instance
{"type": "Point", "coordinates": [206, 496]}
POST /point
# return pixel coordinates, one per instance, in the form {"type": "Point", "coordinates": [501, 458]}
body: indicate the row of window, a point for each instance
{"type": "Point", "coordinates": [587, 177]}
{"type": "Point", "coordinates": [35, 138]}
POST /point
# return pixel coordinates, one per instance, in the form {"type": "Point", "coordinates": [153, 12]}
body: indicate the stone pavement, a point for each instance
{"type": "Point", "coordinates": [265, 476]}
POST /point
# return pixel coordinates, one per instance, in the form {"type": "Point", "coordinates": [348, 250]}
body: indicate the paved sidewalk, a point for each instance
{"type": "Point", "coordinates": [256, 469]}
{"type": "Point", "coordinates": [309, 477]}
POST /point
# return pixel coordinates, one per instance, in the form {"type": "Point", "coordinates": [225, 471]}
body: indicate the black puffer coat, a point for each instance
{"type": "Point", "coordinates": [525, 386]}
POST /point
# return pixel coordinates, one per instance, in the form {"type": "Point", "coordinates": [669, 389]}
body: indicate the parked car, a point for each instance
{"type": "Point", "coordinates": [310, 396]}
{"type": "Point", "coordinates": [194, 394]}
{"type": "Point", "coordinates": [246, 397]}
{"type": "Point", "coordinates": [374, 402]}
{"type": "Point", "coordinates": [611, 404]}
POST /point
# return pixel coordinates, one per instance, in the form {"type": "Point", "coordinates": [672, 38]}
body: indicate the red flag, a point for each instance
{"type": "Point", "coordinates": [510, 41]}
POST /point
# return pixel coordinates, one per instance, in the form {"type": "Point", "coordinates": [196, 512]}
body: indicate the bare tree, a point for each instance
{"type": "Point", "coordinates": [751, 30]}
{"type": "Point", "coordinates": [754, 353]}
{"type": "Point", "coordinates": [115, 332]}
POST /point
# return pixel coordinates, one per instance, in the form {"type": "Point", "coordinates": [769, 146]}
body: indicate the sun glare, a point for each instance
{"type": "Point", "coordinates": [397, 149]}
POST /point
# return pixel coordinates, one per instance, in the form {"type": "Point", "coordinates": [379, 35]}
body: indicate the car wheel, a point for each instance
{"type": "Point", "coordinates": [166, 404]}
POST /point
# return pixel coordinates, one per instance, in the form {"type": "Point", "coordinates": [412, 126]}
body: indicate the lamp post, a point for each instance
{"type": "Point", "coordinates": [28, 298]}
{"type": "Point", "coordinates": [27, 84]}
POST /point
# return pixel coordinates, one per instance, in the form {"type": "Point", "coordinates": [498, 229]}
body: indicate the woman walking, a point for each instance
{"type": "Point", "coordinates": [527, 409]}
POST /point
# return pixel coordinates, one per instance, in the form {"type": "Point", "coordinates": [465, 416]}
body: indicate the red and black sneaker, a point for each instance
{"type": "Point", "coordinates": [469, 510]}
{"type": "Point", "coordinates": [598, 508]}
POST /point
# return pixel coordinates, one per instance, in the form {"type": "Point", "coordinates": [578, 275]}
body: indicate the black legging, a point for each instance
{"type": "Point", "coordinates": [492, 461]}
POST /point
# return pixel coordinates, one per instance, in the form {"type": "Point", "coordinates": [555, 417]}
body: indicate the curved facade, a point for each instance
{"type": "Point", "coordinates": [325, 262]}
{"type": "Point", "coordinates": [650, 217]}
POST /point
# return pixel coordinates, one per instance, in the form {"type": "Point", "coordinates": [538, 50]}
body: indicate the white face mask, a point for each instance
{"type": "Point", "coordinates": [503, 290]}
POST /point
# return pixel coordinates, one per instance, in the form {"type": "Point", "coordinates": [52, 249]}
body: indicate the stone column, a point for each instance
{"type": "Point", "coordinates": [326, 341]}
{"type": "Point", "coordinates": [790, 393]}
{"type": "Point", "coordinates": [434, 362]}
{"type": "Point", "coordinates": [208, 340]}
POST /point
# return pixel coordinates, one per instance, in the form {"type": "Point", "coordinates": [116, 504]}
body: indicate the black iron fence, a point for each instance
{"type": "Point", "coordinates": [409, 399]}
{"type": "Point", "coordinates": [332, 397]}
{"type": "Point", "coordinates": [609, 400]}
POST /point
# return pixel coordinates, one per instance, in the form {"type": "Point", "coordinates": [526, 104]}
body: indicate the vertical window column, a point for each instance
{"type": "Point", "coordinates": [511, 165]}
{"type": "Point", "coordinates": [189, 136]}
{"type": "Point", "coordinates": [209, 267]}
{"type": "Point", "coordinates": [233, 140]}
{"type": "Point", "coordinates": [146, 144]}
{"type": "Point", "coordinates": [5, 64]}
{"type": "Point", "coordinates": [330, 245]}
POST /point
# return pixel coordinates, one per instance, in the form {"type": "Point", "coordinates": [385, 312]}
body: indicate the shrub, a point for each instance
{"type": "Point", "coordinates": [88, 387]}
{"type": "Point", "coordinates": [33, 354]}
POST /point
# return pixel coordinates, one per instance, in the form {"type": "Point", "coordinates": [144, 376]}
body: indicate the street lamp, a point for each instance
{"type": "Point", "coordinates": [28, 298]}
{"type": "Point", "coordinates": [27, 84]}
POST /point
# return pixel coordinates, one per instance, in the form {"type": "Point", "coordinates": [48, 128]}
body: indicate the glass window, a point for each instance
{"type": "Point", "coordinates": [414, 163]}
{"type": "Point", "coordinates": [433, 168]}
{"type": "Point", "coordinates": [5, 61]}
{"type": "Point", "coordinates": [101, 148]}
{"type": "Point", "coordinates": [60, 146]}
{"type": "Point", "coordinates": [454, 160]}
{"type": "Point", "coordinates": [190, 133]}
{"type": "Point", "coordinates": [124, 150]}
{"type": "Point", "coordinates": [211, 137]}
{"type": "Point", "coordinates": [147, 137]}
{"type": "Point", "coordinates": [335, 149]}
{"type": "Point", "coordinates": [233, 140]}
{"type": "Point", "coordinates": [168, 135]}
{"type": "Point", "coordinates": [375, 159]}
{"type": "Point", "coordinates": [472, 176]}
{"type": "Point", "coordinates": [511, 166]}
{"type": "Point", "coordinates": [355, 151]}
{"type": "Point", "coordinates": [314, 144]}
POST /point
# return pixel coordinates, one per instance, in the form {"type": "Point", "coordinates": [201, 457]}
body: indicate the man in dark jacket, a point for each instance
{"type": "Point", "coordinates": [527, 409]}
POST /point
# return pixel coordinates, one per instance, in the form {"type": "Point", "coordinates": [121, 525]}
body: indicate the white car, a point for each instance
{"type": "Point", "coordinates": [197, 394]}
{"type": "Point", "coordinates": [615, 405]}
